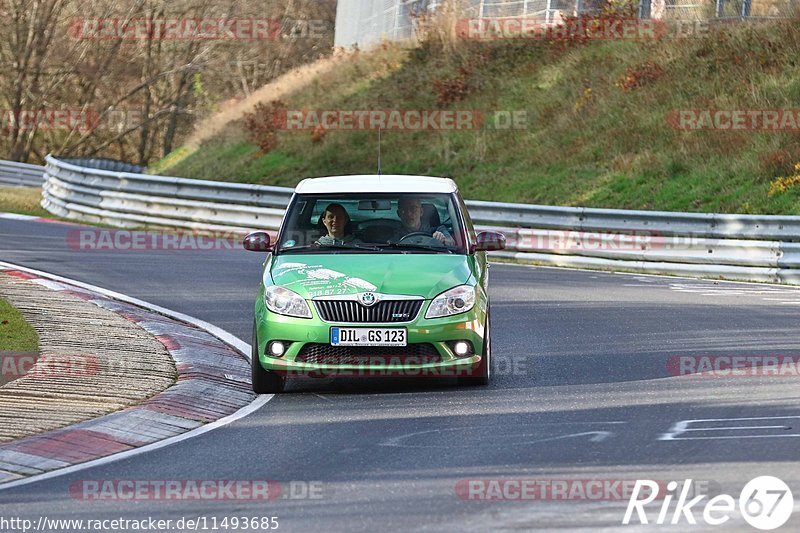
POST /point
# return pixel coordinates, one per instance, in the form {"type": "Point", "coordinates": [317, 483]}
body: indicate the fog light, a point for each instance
{"type": "Point", "coordinates": [276, 348]}
{"type": "Point", "coordinates": [461, 348]}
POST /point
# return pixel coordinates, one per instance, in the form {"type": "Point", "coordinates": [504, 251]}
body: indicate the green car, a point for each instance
{"type": "Point", "coordinates": [373, 276]}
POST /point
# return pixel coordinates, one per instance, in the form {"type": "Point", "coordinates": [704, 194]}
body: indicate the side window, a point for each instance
{"type": "Point", "coordinates": [298, 229]}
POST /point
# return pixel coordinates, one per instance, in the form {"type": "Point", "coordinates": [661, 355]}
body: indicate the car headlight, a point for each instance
{"type": "Point", "coordinates": [452, 302]}
{"type": "Point", "coordinates": [285, 302]}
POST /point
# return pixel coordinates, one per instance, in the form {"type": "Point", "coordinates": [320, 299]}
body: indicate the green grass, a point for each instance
{"type": "Point", "coordinates": [15, 334]}
{"type": "Point", "coordinates": [25, 201]}
{"type": "Point", "coordinates": [22, 200]}
{"type": "Point", "coordinates": [589, 140]}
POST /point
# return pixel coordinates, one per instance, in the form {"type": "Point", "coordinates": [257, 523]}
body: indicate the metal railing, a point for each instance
{"type": "Point", "coordinates": [366, 22]}
{"type": "Point", "coordinates": [743, 247]}
{"type": "Point", "coordinates": [21, 174]}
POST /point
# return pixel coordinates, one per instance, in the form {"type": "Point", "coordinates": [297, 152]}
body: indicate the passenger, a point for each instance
{"type": "Point", "coordinates": [336, 221]}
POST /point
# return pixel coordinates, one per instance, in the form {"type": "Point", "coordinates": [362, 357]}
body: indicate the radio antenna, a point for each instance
{"type": "Point", "coordinates": [379, 151]}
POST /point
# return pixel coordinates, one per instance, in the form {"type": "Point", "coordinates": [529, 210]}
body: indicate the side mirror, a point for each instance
{"type": "Point", "coordinates": [258, 241]}
{"type": "Point", "coordinates": [490, 241]}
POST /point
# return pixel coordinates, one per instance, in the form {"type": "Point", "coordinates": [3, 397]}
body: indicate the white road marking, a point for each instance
{"type": "Point", "coordinates": [765, 285]}
{"type": "Point", "coordinates": [323, 397]}
{"type": "Point", "coordinates": [683, 426]}
{"type": "Point", "coordinates": [782, 295]}
{"type": "Point", "coordinates": [15, 216]}
{"type": "Point", "coordinates": [596, 436]}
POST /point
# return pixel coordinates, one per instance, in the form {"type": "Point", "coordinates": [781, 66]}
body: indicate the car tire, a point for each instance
{"type": "Point", "coordinates": [482, 375]}
{"type": "Point", "coordinates": [264, 381]}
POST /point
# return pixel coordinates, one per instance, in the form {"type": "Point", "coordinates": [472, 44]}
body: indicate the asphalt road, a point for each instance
{"type": "Point", "coordinates": [583, 389]}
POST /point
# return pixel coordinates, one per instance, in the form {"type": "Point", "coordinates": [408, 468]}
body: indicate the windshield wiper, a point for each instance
{"type": "Point", "coordinates": [352, 246]}
{"type": "Point", "coordinates": [298, 248]}
{"type": "Point", "coordinates": [402, 245]}
{"type": "Point", "coordinates": [321, 247]}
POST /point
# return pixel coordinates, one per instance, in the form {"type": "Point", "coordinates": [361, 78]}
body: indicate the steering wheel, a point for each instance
{"type": "Point", "coordinates": [418, 234]}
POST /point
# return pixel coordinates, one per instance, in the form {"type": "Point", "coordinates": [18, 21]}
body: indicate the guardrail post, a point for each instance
{"type": "Point", "coordinates": [644, 9]}
{"type": "Point", "coordinates": [396, 18]}
{"type": "Point", "coordinates": [745, 8]}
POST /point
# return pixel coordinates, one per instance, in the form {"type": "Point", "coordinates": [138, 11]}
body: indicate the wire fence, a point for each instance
{"type": "Point", "coordinates": [366, 22]}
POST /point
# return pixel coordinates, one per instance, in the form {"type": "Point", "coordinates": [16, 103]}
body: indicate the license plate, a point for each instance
{"type": "Point", "coordinates": [368, 337]}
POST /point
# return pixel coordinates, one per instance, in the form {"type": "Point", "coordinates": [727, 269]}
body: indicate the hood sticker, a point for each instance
{"type": "Point", "coordinates": [318, 280]}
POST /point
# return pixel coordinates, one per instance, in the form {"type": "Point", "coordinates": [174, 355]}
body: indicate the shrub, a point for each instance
{"type": "Point", "coordinates": [262, 124]}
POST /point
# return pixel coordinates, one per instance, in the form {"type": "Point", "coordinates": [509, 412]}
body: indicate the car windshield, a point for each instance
{"type": "Point", "coordinates": [373, 223]}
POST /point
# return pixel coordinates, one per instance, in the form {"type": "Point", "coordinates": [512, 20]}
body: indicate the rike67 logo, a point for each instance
{"type": "Point", "coordinates": [765, 503]}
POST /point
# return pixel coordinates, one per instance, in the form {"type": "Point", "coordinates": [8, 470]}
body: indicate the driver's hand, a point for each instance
{"type": "Point", "coordinates": [442, 238]}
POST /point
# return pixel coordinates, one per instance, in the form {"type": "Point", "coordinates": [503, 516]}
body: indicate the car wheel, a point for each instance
{"type": "Point", "coordinates": [264, 381]}
{"type": "Point", "coordinates": [482, 375]}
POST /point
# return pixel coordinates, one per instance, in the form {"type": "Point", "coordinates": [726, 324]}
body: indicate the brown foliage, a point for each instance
{"type": "Point", "coordinates": [453, 89]}
{"type": "Point", "coordinates": [641, 75]}
{"type": "Point", "coordinates": [779, 162]}
{"type": "Point", "coordinates": [262, 124]}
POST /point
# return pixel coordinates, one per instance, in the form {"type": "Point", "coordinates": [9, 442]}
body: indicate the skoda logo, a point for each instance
{"type": "Point", "coordinates": [367, 299]}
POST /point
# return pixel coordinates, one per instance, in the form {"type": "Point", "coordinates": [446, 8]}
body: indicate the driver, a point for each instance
{"type": "Point", "coordinates": [409, 209]}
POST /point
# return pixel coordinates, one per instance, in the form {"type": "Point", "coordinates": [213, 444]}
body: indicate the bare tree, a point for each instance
{"type": "Point", "coordinates": [140, 95]}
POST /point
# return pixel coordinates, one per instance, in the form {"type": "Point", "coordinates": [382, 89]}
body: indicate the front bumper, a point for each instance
{"type": "Point", "coordinates": [297, 332]}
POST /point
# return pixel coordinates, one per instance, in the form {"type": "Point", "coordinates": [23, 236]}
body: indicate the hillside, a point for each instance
{"type": "Point", "coordinates": [600, 126]}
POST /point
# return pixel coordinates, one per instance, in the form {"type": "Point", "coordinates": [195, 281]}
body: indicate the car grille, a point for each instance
{"type": "Point", "coordinates": [350, 311]}
{"type": "Point", "coordinates": [325, 354]}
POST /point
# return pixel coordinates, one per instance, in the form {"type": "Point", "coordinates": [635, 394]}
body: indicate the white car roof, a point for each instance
{"type": "Point", "coordinates": [371, 183]}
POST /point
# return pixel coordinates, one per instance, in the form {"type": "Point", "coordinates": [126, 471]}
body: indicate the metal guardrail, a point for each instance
{"type": "Point", "coordinates": [105, 164]}
{"type": "Point", "coordinates": [368, 22]}
{"type": "Point", "coordinates": [21, 174]}
{"type": "Point", "coordinates": [745, 247]}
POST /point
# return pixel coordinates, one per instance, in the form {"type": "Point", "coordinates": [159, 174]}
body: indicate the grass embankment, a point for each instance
{"type": "Point", "coordinates": [15, 334]}
{"type": "Point", "coordinates": [16, 338]}
{"type": "Point", "coordinates": [22, 200]}
{"type": "Point", "coordinates": [597, 134]}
